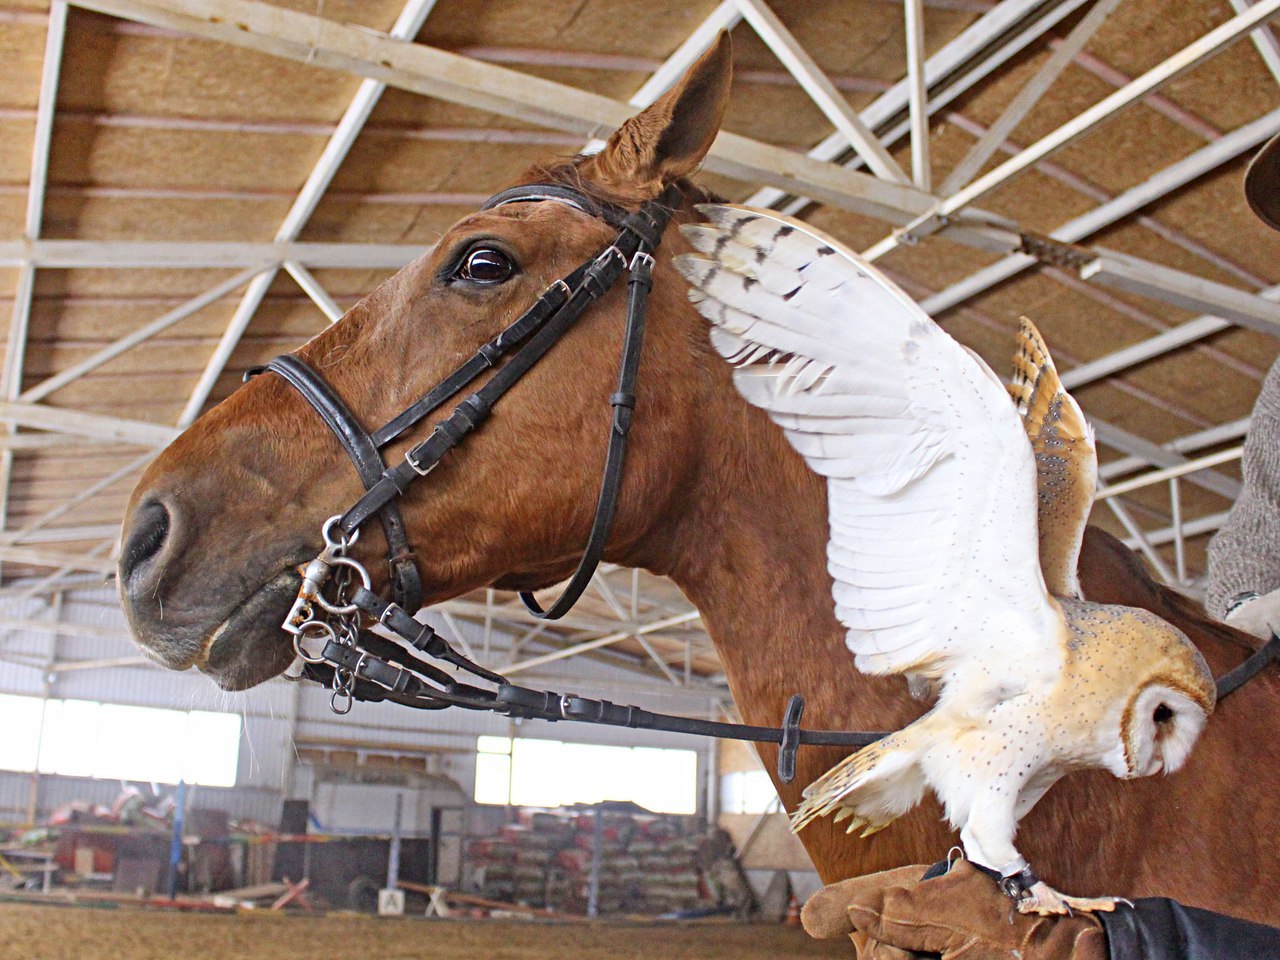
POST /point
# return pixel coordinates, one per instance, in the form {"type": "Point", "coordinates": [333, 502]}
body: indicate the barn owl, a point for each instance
{"type": "Point", "coordinates": [955, 529]}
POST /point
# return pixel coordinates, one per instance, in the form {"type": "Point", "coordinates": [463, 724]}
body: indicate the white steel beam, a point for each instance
{"type": "Point", "coordinates": [1263, 39]}
{"type": "Point", "coordinates": [820, 89]}
{"type": "Point", "coordinates": [39, 558]}
{"type": "Point", "coordinates": [326, 167]}
{"type": "Point", "coordinates": [1131, 93]}
{"type": "Point", "coordinates": [311, 287]}
{"type": "Point", "coordinates": [1185, 290]}
{"type": "Point", "coordinates": [918, 98]}
{"type": "Point", "coordinates": [949, 73]}
{"type": "Point", "coordinates": [457, 79]}
{"type": "Point", "coordinates": [1192, 528]}
{"type": "Point", "coordinates": [1138, 540]}
{"type": "Point", "coordinates": [24, 534]}
{"type": "Point", "coordinates": [73, 254]}
{"type": "Point", "coordinates": [92, 531]}
{"type": "Point", "coordinates": [54, 41]}
{"type": "Point", "coordinates": [16, 344]}
{"type": "Point", "coordinates": [245, 309]}
{"type": "Point", "coordinates": [1152, 188]}
{"type": "Point", "coordinates": [94, 426]}
{"type": "Point", "coordinates": [1169, 473]}
{"type": "Point", "coordinates": [609, 639]}
{"type": "Point", "coordinates": [1127, 442]}
{"type": "Point", "coordinates": [65, 629]}
{"type": "Point", "coordinates": [129, 341]}
{"type": "Point", "coordinates": [1026, 98]}
{"type": "Point", "coordinates": [1191, 56]}
{"type": "Point", "coordinates": [1190, 443]}
{"type": "Point", "coordinates": [724, 17]}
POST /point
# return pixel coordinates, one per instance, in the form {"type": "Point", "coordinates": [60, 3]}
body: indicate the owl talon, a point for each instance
{"type": "Point", "coordinates": [1042, 899]}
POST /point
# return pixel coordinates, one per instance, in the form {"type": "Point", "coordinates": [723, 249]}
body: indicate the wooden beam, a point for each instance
{"type": "Point", "coordinates": [94, 426]}
{"type": "Point", "coordinates": [482, 86]}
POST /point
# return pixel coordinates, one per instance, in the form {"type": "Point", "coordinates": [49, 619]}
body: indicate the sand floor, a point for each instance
{"type": "Point", "coordinates": [48, 932]}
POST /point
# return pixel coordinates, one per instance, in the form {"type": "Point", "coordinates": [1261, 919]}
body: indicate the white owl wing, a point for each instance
{"type": "Point", "coordinates": [931, 483]}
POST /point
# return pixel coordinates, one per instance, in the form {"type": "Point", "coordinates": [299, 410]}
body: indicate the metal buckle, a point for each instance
{"type": "Point", "coordinates": [641, 257]}
{"type": "Point", "coordinates": [609, 252]}
{"type": "Point", "coordinates": [415, 468]}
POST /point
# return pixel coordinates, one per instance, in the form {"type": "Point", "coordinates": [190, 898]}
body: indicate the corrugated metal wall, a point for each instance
{"type": "Point", "coordinates": [271, 711]}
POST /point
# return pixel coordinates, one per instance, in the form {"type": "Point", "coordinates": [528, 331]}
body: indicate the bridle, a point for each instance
{"type": "Point", "coordinates": [336, 600]}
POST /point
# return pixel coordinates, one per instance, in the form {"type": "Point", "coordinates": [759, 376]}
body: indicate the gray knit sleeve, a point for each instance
{"type": "Point", "coordinates": [1245, 553]}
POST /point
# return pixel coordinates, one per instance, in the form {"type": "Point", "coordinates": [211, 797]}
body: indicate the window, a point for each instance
{"type": "Point", "coordinates": [551, 773]}
{"type": "Point", "coordinates": [83, 738]}
{"type": "Point", "coordinates": [747, 791]}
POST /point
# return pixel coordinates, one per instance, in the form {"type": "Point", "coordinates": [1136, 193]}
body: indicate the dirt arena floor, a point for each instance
{"type": "Point", "coordinates": [46, 932]}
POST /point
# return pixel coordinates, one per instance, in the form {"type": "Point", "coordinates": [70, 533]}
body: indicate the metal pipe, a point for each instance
{"type": "Point", "coordinates": [1169, 473]}
{"type": "Point", "coordinates": [918, 99]}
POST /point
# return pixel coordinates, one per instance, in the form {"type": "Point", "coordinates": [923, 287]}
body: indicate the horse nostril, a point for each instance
{"type": "Point", "coordinates": [150, 530]}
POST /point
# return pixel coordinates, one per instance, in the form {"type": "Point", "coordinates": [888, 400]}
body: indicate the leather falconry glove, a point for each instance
{"type": "Point", "coordinates": [895, 915]}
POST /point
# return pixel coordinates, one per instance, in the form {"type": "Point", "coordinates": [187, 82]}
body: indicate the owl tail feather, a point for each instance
{"type": "Point", "coordinates": [873, 787]}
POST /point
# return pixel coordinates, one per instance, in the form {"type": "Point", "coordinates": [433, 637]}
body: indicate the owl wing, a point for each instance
{"type": "Point", "coordinates": [930, 479]}
{"type": "Point", "coordinates": [1066, 459]}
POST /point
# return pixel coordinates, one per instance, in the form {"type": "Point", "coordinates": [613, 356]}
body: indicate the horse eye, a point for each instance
{"type": "Point", "coordinates": [486, 265]}
{"type": "Point", "coordinates": [1162, 714]}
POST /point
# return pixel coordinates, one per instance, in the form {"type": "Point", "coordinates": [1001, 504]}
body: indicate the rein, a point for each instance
{"type": "Point", "coordinates": [336, 600]}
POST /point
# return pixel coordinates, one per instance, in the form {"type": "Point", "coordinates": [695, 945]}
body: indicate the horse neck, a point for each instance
{"type": "Point", "coordinates": [749, 550]}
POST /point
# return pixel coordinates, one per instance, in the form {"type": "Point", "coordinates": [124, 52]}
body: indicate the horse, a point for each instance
{"type": "Point", "coordinates": [712, 497]}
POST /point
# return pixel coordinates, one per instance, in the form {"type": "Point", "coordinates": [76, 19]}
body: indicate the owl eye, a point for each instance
{"type": "Point", "coordinates": [1162, 714]}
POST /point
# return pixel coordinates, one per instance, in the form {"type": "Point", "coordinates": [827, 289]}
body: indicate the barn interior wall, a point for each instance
{"type": "Point", "coordinates": [280, 718]}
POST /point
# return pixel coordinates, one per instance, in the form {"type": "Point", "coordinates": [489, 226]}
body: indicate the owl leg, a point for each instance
{"type": "Point", "coordinates": [988, 840]}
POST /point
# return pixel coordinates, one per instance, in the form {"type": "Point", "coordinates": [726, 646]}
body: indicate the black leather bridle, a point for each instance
{"type": "Point", "coordinates": [336, 599]}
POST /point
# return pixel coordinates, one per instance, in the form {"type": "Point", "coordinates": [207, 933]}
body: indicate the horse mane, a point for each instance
{"type": "Point", "coordinates": [1112, 573]}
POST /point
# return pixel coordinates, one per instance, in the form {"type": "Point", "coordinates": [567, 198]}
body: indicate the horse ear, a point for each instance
{"type": "Point", "coordinates": [668, 140]}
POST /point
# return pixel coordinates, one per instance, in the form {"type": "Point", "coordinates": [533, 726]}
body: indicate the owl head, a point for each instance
{"type": "Point", "coordinates": [1167, 709]}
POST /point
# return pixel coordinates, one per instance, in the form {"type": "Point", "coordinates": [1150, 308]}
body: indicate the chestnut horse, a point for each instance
{"type": "Point", "coordinates": [713, 497]}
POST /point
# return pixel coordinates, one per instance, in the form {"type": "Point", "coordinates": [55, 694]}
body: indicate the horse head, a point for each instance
{"type": "Point", "coordinates": [219, 523]}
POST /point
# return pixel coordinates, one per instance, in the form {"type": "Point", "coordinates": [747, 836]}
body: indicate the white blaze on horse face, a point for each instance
{"type": "Point", "coordinates": [934, 493]}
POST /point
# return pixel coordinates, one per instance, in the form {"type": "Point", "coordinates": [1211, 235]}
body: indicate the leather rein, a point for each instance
{"type": "Point", "coordinates": [336, 600]}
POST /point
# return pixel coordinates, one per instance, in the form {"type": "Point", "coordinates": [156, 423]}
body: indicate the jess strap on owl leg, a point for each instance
{"type": "Point", "coordinates": [895, 915]}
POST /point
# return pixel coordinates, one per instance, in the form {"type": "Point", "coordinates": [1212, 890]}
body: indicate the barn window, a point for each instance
{"type": "Point", "coordinates": [747, 791]}
{"type": "Point", "coordinates": [551, 773]}
{"type": "Point", "coordinates": [84, 738]}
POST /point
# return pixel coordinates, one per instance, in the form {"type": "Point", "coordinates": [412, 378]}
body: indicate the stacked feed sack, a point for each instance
{"type": "Point", "coordinates": [536, 839]}
{"type": "Point", "coordinates": [670, 880]}
{"type": "Point", "coordinates": [647, 863]}
{"type": "Point", "coordinates": [646, 866]}
{"type": "Point", "coordinates": [493, 860]}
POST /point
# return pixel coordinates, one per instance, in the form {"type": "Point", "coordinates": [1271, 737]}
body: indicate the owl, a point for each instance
{"type": "Point", "coordinates": [956, 520]}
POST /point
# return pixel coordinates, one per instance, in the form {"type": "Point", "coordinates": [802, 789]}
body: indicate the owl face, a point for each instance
{"type": "Point", "coordinates": [1158, 729]}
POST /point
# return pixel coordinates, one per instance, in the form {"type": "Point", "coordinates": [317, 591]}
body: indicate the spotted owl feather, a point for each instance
{"type": "Point", "coordinates": [1066, 459]}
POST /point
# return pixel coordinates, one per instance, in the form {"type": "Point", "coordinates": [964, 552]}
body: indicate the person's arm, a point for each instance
{"type": "Point", "coordinates": [1244, 556]}
{"type": "Point", "coordinates": [963, 914]}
